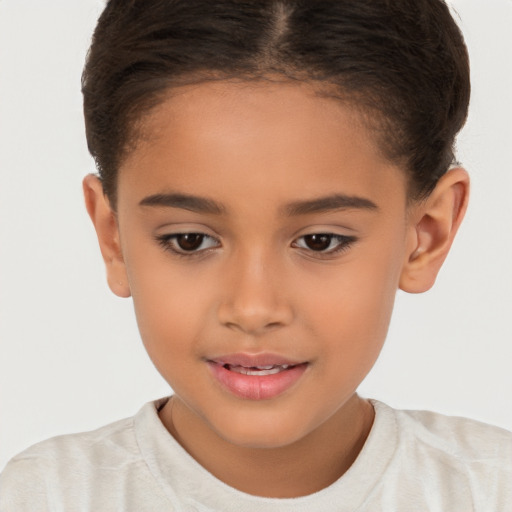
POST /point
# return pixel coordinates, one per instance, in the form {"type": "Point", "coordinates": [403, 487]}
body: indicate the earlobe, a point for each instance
{"type": "Point", "coordinates": [434, 224]}
{"type": "Point", "coordinates": [104, 219]}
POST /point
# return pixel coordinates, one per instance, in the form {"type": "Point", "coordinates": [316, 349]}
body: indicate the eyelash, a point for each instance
{"type": "Point", "coordinates": [343, 244]}
{"type": "Point", "coordinates": [170, 243]}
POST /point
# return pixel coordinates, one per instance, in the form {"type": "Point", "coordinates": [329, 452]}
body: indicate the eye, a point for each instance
{"type": "Point", "coordinates": [324, 243]}
{"type": "Point", "coordinates": [187, 243]}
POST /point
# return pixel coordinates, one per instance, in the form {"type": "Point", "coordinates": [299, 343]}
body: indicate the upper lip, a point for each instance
{"type": "Point", "coordinates": [254, 360]}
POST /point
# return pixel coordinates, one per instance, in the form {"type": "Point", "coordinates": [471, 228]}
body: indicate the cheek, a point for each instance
{"type": "Point", "coordinates": [356, 334]}
{"type": "Point", "coordinates": [168, 325]}
{"type": "Point", "coordinates": [170, 306]}
{"type": "Point", "coordinates": [355, 313]}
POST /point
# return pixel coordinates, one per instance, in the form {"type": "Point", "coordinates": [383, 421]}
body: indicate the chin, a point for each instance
{"type": "Point", "coordinates": [259, 433]}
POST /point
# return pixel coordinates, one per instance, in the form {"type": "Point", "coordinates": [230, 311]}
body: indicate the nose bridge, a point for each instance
{"type": "Point", "coordinates": [254, 299]}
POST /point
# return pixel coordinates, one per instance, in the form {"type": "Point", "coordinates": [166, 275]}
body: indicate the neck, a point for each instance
{"type": "Point", "coordinates": [301, 468]}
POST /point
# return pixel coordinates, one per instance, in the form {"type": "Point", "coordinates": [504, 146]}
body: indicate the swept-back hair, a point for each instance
{"type": "Point", "coordinates": [403, 63]}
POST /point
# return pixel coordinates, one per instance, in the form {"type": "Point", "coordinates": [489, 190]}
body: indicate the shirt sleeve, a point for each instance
{"type": "Point", "coordinates": [23, 486]}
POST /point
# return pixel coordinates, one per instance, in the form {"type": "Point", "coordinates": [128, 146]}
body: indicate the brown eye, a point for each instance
{"type": "Point", "coordinates": [318, 242]}
{"type": "Point", "coordinates": [187, 244]}
{"type": "Point", "coordinates": [189, 241]}
{"type": "Point", "coordinates": [324, 244]}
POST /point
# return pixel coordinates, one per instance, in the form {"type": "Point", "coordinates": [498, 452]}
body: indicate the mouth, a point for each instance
{"type": "Point", "coordinates": [256, 377]}
{"type": "Point", "coordinates": [259, 371]}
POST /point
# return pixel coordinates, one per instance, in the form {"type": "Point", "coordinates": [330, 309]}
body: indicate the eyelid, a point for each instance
{"type": "Point", "coordinates": [345, 242]}
{"type": "Point", "coordinates": [184, 228]}
{"type": "Point", "coordinates": [167, 241]}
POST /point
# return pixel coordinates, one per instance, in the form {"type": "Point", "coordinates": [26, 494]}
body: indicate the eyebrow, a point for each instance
{"type": "Point", "coordinates": [204, 205]}
{"type": "Point", "coordinates": [329, 203]}
{"type": "Point", "coordinates": [184, 201]}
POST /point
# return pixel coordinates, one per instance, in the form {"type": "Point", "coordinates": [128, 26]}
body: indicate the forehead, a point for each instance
{"type": "Point", "coordinates": [278, 139]}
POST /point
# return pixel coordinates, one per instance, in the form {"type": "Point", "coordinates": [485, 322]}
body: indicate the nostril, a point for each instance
{"type": "Point", "coordinates": [253, 312]}
{"type": "Point", "coordinates": [253, 326]}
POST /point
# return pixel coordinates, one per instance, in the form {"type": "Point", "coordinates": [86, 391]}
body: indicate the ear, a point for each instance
{"type": "Point", "coordinates": [434, 223]}
{"type": "Point", "coordinates": [105, 222]}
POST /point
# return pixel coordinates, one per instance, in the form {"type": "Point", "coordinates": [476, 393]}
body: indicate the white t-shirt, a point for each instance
{"type": "Point", "coordinates": [411, 462]}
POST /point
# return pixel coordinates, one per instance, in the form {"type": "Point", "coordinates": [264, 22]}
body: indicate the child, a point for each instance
{"type": "Point", "coordinates": [270, 174]}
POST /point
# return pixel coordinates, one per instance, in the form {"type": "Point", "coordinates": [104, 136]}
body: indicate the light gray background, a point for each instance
{"type": "Point", "coordinates": [70, 355]}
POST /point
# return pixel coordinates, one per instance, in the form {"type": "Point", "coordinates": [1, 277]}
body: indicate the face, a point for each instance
{"type": "Point", "coordinates": [263, 236]}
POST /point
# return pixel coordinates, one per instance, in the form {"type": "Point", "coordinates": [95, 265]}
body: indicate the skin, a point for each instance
{"type": "Point", "coordinates": [255, 286]}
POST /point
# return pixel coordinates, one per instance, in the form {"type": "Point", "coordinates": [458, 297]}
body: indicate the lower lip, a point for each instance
{"type": "Point", "coordinates": [257, 387]}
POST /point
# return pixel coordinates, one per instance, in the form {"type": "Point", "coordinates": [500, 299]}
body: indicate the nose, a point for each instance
{"type": "Point", "coordinates": [254, 299]}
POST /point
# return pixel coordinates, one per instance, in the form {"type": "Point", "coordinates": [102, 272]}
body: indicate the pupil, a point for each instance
{"type": "Point", "coordinates": [318, 242]}
{"type": "Point", "coordinates": [190, 241]}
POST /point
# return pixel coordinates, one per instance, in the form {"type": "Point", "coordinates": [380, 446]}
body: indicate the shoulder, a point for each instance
{"type": "Point", "coordinates": [68, 461]}
{"type": "Point", "coordinates": [104, 469]}
{"type": "Point", "coordinates": [460, 459]}
{"type": "Point", "coordinates": [465, 440]}
{"type": "Point", "coordinates": [113, 440]}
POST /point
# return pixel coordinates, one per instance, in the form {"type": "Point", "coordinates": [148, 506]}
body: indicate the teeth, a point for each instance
{"type": "Point", "coordinates": [258, 370]}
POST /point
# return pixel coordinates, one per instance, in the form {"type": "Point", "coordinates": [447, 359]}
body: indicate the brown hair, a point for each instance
{"type": "Point", "coordinates": [403, 62]}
